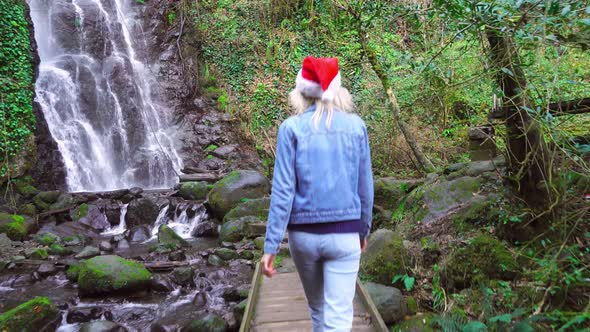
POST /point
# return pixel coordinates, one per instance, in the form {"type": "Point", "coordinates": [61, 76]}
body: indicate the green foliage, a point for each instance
{"type": "Point", "coordinates": [17, 120]}
{"type": "Point", "coordinates": [406, 279]}
{"type": "Point", "coordinates": [171, 17]}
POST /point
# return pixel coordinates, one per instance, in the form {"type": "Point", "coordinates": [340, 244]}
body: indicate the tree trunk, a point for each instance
{"type": "Point", "coordinates": [424, 162]}
{"type": "Point", "coordinates": [527, 151]}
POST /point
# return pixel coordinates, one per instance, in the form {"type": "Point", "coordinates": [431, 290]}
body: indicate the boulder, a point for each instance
{"type": "Point", "coordinates": [38, 314]}
{"type": "Point", "coordinates": [225, 151]}
{"type": "Point", "coordinates": [206, 229]}
{"type": "Point", "coordinates": [257, 208]}
{"type": "Point", "coordinates": [259, 242]}
{"type": "Point", "coordinates": [111, 274]}
{"type": "Point", "coordinates": [91, 215]}
{"type": "Point", "coordinates": [193, 191]}
{"type": "Point", "coordinates": [44, 199]}
{"type": "Point", "coordinates": [235, 230]}
{"type": "Point", "coordinates": [105, 246]}
{"type": "Point", "coordinates": [161, 284]}
{"type": "Point", "coordinates": [183, 276]}
{"type": "Point", "coordinates": [232, 189]}
{"type": "Point", "coordinates": [209, 323]}
{"type": "Point", "coordinates": [167, 236]}
{"type": "Point", "coordinates": [389, 301]}
{"type": "Point", "coordinates": [84, 315]}
{"type": "Point", "coordinates": [177, 256]}
{"type": "Point", "coordinates": [5, 243]}
{"type": "Point", "coordinates": [214, 260]}
{"type": "Point", "coordinates": [102, 326]}
{"type": "Point", "coordinates": [46, 270]}
{"type": "Point", "coordinates": [36, 253]}
{"type": "Point", "coordinates": [87, 252]}
{"type": "Point", "coordinates": [63, 201]}
{"type": "Point", "coordinates": [141, 211]}
{"type": "Point", "coordinates": [483, 258]}
{"type": "Point", "coordinates": [58, 250]}
{"type": "Point", "coordinates": [385, 256]}
{"type": "Point", "coordinates": [111, 210]}
{"type": "Point", "coordinates": [72, 241]}
{"type": "Point", "coordinates": [16, 227]}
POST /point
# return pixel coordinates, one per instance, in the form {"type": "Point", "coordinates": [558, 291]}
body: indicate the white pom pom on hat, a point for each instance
{"type": "Point", "coordinates": [319, 78]}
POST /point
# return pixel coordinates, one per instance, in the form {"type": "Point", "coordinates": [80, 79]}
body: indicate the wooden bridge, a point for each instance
{"type": "Point", "coordinates": [279, 304]}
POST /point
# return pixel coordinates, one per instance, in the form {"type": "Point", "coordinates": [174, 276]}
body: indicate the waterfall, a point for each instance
{"type": "Point", "coordinates": [99, 96]}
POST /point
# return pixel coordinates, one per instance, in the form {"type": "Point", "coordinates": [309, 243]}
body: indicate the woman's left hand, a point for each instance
{"type": "Point", "coordinates": [267, 262]}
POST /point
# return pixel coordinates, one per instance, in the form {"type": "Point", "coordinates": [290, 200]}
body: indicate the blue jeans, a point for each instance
{"type": "Point", "coordinates": [328, 265]}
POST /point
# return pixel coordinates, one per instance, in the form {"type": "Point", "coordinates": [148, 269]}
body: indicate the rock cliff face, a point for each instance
{"type": "Point", "coordinates": [48, 168]}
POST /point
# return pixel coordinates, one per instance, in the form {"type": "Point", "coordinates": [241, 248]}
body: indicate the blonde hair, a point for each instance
{"type": "Point", "coordinates": [299, 103]}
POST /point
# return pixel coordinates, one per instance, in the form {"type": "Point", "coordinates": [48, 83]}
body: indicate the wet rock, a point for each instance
{"type": "Point", "coordinates": [231, 190]}
{"type": "Point", "coordinates": [389, 301]}
{"type": "Point", "coordinates": [167, 236]}
{"type": "Point", "coordinates": [68, 230]}
{"type": "Point", "coordinates": [73, 272]}
{"type": "Point", "coordinates": [91, 215]}
{"type": "Point", "coordinates": [111, 210]}
{"type": "Point", "coordinates": [64, 200]}
{"type": "Point", "coordinates": [72, 241]}
{"type": "Point", "coordinates": [177, 256]}
{"type": "Point", "coordinates": [239, 310]}
{"type": "Point", "coordinates": [44, 199]}
{"type": "Point", "coordinates": [5, 243]}
{"type": "Point", "coordinates": [16, 227]}
{"type": "Point", "coordinates": [200, 300]}
{"type": "Point", "coordinates": [193, 190]}
{"type": "Point", "coordinates": [257, 208]}
{"type": "Point", "coordinates": [231, 321]}
{"type": "Point", "coordinates": [46, 270]}
{"type": "Point", "coordinates": [226, 254]}
{"type": "Point", "coordinates": [209, 323]}
{"type": "Point", "coordinates": [385, 256]}
{"type": "Point", "coordinates": [36, 253]}
{"type": "Point", "coordinates": [102, 326]}
{"type": "Point", "coordinates": [123, 244]}
{"type": "Point", "coordinates": [231, 294]}
{"type": "Point", "coordinates": [83, 315]}
{"type": "Point", "coordinates": [183, 276]}
{"type": "Point", "coordinates": [141, 211]}
{"type": "Point", "coordinates": [139, 233]}
{"type": "Point", "coordinates": [47, 238]}
{"type": "Point", "coordinates": [38, 314]}
{"type": "Point", "coordinates": [214, 260]}
{"type": "Point", "coordinates": [135, 191]}
{"type": "Point", "coordinates": [109, 274]}
{"type": "Point", "coordinates": [106, 246]}
{"type": "Point", "coordinates": [247, 254]}
{"type": "Point", "coordinates": [162, 327]}
{"type": "Point", "coordinates": [87, 252]}
{"type": "Point", "coordinates": [160, 283]}
{"type": "Point", "coordinates": [224, 152]}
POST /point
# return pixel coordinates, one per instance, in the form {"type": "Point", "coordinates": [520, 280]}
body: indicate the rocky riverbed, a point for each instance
{"type": "Point", "coordinates": [131, 259]}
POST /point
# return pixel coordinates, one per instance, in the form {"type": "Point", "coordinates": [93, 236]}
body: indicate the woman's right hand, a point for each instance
{"type": "Point", "coordinates": [267, 262]}
{"type": "Point", "coordinates": [363, 244]}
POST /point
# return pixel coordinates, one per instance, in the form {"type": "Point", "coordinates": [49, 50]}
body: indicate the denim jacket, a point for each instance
{"type": "Point", "coordinates": [320, 175]}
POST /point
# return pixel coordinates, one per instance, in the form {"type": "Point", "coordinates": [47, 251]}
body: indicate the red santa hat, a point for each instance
{"type": "Point", "coordinates": [319, 78]}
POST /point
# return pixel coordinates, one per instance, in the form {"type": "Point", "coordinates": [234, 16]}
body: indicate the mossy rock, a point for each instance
{"type": "Point", "coordinates": [230, 191]}
{"type": "Point", "coordinates": [15, 226]}
{"type": "Point", "coordinates": [38, 314]}
{"type": "Point", "coordinates": [483, 258]}
{"type": "Point", "coordinates": [193, 190]}
{"type": "Point", "coordinates": [390, 191]}
{"type": "Point", "coordinates": [226, 254]}
{"type": "Point", "coordinates": [44, 199]}
{"type": "Point", "coordinates": [47, 239]}
{"type": "Point", "coordinates": [252, 207]}
{"type": "Point", "coordinates": [167, 236]}
{"type": "Point", "coordinates": [79, 212]}
{"type": "Point", "coordinates": [209, 323]}
{"type": "Point", "coordinates": [111, 274]}
{"type": "Point", "coordinates": [28, 209]}
{"type": "Point", "coordinates": [417, 323]}
{"type": "Point", "coordinates": [58, 250]}
{"type": "Point", "coordinates": [73, 272]}
{"type": "Point", "coordinates": [259, 242]}
{"type": "Point", "coordinates": [385, 256]}
{"type": "Point", "coordinates": [235, 230]}
{"type": "Point", "coordinates": [64, 200]}
{"type": "Point", "coordinates": [24, 187]}
{"type": "Point", "coordinates": [36, 253]}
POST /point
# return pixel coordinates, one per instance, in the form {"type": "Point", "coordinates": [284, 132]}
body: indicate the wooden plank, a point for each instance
{"type": "Point", "coordinates": [377, 321]}
{"type": "Point", "coordinates": [252, 298]}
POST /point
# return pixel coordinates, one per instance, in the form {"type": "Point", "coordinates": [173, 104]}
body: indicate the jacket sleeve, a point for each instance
{"type": "Point", "coordinates": [365, 185]}
{"type": "Point", "coordinates": [283, 190]}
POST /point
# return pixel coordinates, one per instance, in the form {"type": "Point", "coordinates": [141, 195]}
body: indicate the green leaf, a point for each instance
{"type": "Point", "coordinates": [475, 326]}
{"type": "Point", "coordinates": [505, 318]}
{"type": "Point", "coordinates": [523, 327]}
{"type": "Point", "coordinates": [507, 71]}
{"type": "Point", "coordinates": [409, 283]}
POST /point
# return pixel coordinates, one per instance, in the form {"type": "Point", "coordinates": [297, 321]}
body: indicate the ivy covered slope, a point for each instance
{"type": "Point", "coordinates": [17, 120]}
{"type": "Point", "coordinates": [441, 76]}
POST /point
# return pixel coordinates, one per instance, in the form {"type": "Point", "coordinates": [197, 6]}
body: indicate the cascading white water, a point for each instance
{"type": "Point", "coordinates": [99, 96]}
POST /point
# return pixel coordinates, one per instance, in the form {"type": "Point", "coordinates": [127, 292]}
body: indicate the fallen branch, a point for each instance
{"type": "Point", "coordinates": [208, 177]}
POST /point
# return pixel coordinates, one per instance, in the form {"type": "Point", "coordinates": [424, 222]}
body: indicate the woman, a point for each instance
{"type": "Point", "coordinates": [322, 191]}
